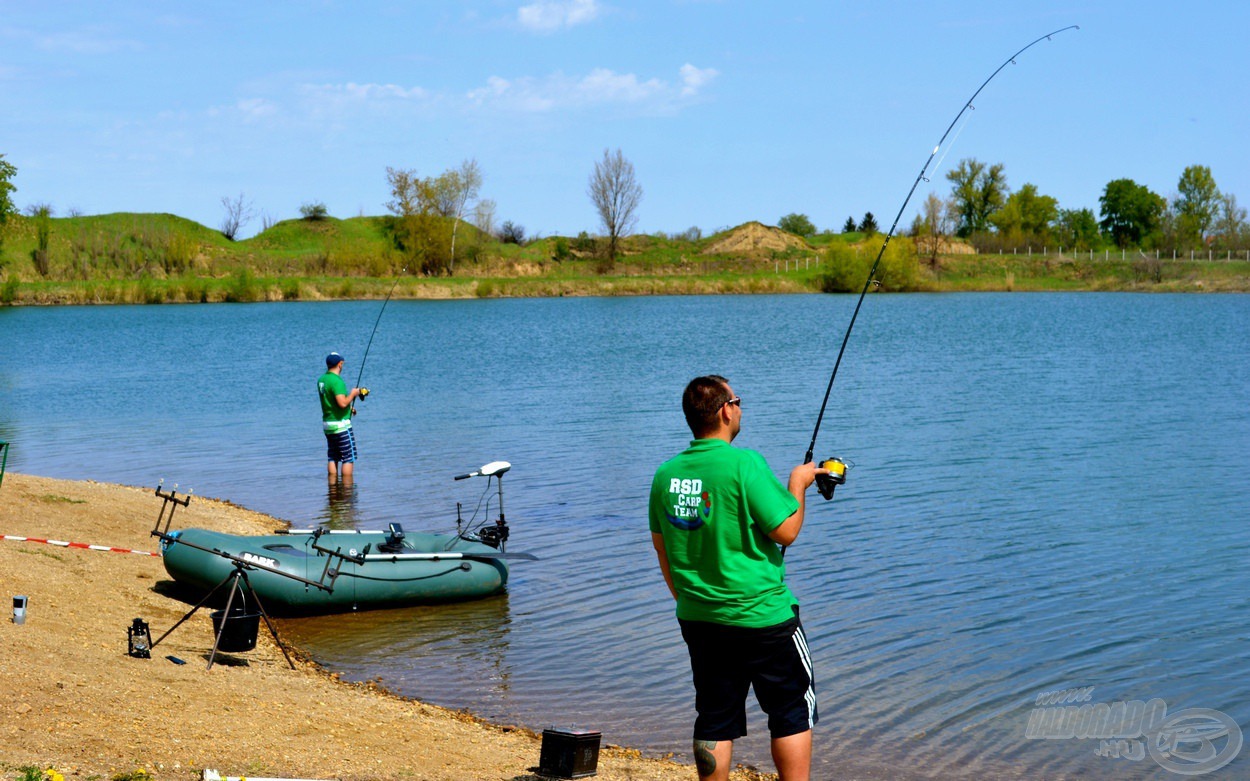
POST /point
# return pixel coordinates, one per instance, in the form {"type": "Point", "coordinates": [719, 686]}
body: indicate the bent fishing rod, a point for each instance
{"type": "Point", "coordinates": [365, 391]}
{"type": "Point", "coordinates": [837, 468]}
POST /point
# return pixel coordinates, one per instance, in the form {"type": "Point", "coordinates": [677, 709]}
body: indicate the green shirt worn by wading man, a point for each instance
{"type": "Point", "coordinates": [334, 418]}
{"type": "Point", "coordinates": [715, 504]}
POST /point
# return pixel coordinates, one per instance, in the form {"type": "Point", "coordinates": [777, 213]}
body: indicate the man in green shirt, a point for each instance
{"type": "Point", "coordinates": [717, 516]}
{"type": "Point", "coordinates": [336, 418]}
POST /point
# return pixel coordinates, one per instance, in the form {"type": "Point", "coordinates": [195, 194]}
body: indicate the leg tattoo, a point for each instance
{"type": "Point", "coordinates": [704, 762]}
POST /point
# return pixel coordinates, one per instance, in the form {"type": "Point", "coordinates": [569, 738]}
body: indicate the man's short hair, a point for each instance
{"type": "Point", "coordinates": [701, 403]}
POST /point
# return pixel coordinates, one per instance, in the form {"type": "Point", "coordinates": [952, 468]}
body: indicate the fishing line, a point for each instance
{"type": "Point", "coordinates": [938, 165]}
{"type": "Point", "coordinates": [828, 483]}
{"type": "Point", "coordinates": [381, 312]}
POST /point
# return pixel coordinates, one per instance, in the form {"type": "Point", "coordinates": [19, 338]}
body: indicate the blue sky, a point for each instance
{"type": "Point", "coordinates": [729, 111]}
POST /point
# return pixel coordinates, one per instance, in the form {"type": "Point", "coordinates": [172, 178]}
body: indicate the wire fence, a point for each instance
{"type": "Point", "coordinates": [1208, 255]}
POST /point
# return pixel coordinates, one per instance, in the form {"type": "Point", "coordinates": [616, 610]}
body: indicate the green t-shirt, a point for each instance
{"type": "Point", "coordinates": [715, 505]}
{"type": "Point", "coordinates": [333, 417]}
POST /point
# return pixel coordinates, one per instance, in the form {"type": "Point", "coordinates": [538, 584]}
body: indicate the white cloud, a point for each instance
{"type": "Point", "coordinates": [87, 42]}
{"type": "Point", "coordinates": [256, 108]}
{"type": "Point", "coordinates": [546, 16]}
{"type": "Point", "coordinates": [366, 92]}
{"type": "Point", "coordinates": [693, 79]}
{"type": "Point", "coordinates": [598, 88]}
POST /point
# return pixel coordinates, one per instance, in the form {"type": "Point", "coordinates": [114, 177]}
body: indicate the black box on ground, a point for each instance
{"type": "Point", "coordinates": [569, 753]}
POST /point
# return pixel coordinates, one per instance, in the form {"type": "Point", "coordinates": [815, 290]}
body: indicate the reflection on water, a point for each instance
{"type": "Point", "coordinates": [340, 511]}
{"type": "Point", "coordinates": [459, 651]}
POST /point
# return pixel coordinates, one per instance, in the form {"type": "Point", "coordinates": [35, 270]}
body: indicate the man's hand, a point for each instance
{"type": "Point", "coordinates": [802, 477]}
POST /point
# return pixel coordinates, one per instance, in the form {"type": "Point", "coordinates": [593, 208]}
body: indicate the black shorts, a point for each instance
{"type": "Point", "coordinates": [726, 660]}
{"type": "Point", "coordinates": [341, 446]}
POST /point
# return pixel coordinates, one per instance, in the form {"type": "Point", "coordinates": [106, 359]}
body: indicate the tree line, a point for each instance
{"type": "Point", "coordinates": [983, 210]}
{"type": "Point", "coordinates": [436, 221]}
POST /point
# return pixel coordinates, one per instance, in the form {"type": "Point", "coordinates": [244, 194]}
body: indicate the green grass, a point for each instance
{"type": "Point", "coordinates": [161, 258]}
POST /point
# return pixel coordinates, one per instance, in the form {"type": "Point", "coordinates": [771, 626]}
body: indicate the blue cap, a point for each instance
{"type": "Point", "coordinates": [333, 359]}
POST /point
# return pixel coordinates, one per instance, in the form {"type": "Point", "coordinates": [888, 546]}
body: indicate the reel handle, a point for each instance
{"type": "Point", "coordinates": [826, 484]}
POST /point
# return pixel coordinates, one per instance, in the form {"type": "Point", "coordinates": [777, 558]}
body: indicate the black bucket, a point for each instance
{"type": "Point", "coordinates": [239, 633]}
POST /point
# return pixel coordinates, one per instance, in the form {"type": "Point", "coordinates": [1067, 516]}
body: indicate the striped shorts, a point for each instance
{"type": "Point", "coordinates": [341, 446]}
{"type": "Point", "coordinates": [727, 660]}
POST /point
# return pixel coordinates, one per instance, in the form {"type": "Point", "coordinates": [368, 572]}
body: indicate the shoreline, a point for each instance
{"type": "Point", "coordinates": [79, 704]}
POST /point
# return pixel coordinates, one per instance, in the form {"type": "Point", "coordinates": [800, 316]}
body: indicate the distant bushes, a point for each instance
{"type": "Point", "coordinates": [846, 268]}
{"type": "Point", "coordinates": [314, 211]}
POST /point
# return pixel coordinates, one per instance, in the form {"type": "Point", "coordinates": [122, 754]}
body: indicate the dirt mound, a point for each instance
{"type": "Point", "coordinates": [945, 246]}
{"type": "Point", "coordinates": [754, 238]}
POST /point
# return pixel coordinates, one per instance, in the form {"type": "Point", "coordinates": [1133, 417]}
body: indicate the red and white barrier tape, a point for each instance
{"type": "Point", "coordinates": [65, 544]}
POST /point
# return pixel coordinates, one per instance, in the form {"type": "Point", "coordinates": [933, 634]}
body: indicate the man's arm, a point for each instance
{"type": "Point", "coordinates": [346, 401]}
{"type": "Point", "coordinates": [657, 541]}
{"type": "Point", "coordinates": [801, 478]}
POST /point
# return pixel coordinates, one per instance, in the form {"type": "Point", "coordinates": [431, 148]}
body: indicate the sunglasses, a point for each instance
{"type": "Point", "coordinates": [737, 400]}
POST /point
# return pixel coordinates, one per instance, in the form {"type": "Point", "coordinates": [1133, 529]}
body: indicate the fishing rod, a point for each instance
{"type": "Point", "coordinates": [837, 468]}
{"type": "Point", "coordinates": [365, 391]}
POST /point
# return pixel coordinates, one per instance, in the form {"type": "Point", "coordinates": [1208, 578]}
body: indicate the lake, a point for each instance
{"type": "Point", "coordinates": [1049, 492]}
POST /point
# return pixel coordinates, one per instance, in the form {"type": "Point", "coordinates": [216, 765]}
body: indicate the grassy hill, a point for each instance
{"type": "Point", "coordinates": [156, 258]}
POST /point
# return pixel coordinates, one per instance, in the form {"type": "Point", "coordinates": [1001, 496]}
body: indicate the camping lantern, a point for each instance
{"type": "Point", "coordinates": [139, 640]}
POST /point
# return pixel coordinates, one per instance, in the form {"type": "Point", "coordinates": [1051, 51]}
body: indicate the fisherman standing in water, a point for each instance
{"type": "Point", "coordinates": [717, 516]}
{"type": "Point", "coordinates": [336, 418]}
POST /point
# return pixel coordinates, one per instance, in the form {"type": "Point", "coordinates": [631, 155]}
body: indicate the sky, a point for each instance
{"type": "Point", "coordinates": [728, 110]}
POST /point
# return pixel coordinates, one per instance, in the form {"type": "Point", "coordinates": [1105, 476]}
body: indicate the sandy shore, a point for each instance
{"type": "Point", "coordinates": [75, 701]}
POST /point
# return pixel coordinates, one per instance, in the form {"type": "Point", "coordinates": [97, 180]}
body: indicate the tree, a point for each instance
{"type": "Point", "coordinates": [41, 213]}
{"type": "Point", "coordinates": [938, 221]}
{"type": "Point", "coordinates": [1026, 215]}
{"type": "Point", "coordinates": [468, 181]}
{"type": "Point", "coordinates": [868, 224]}
{"type": "Point", "coordinates": [316, 210]}
{"type": "Point", "coordinates": [1230, 226]}
{"type": "Point", "coordinates": [1130, 212]}
{"type": "Point", "coordinates": [239, 212]}
{"type": "Point", "coordinates": [979, 191]}
{"type": "Point", "coordinates": [798, 224]}
{"type": "Point", "coordinates": [1076, 228]}
{"type": "Point", "coordinates": [615, 192]}
{"type": "Point", "coordinates": [405, 187]}
{"type": "Point", "coordinates": [484, 216]}
{"type": "Point", "coordinates": [511, 233]}
{"type": "Point", "coordinates": [7, 172]}
{"type": "Point", "coordinates": [1198, 202]}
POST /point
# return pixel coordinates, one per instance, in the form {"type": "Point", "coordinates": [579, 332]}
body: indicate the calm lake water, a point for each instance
{"type": "Point", "coordinates": [1049, 492]}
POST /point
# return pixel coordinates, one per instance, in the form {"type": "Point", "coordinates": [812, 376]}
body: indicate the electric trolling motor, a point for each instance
{"type": "Point", "coordinates": [836, 477]}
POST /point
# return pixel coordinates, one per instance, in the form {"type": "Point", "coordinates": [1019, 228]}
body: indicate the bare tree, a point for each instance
{"type": "Point", "coordinates": [239, 212]}
{"type": "Point", "coordinates": [484, 216]}
{"type": "Point", "coordinates": [469, 181]}
{"type": "Point", "coordinates": [615, 192]}
{"type": "Point", "coordinates": [939, 222]}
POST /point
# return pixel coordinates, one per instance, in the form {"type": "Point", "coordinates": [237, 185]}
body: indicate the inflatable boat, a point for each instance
{"type": "Point", "coordinates": [329, 571]}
